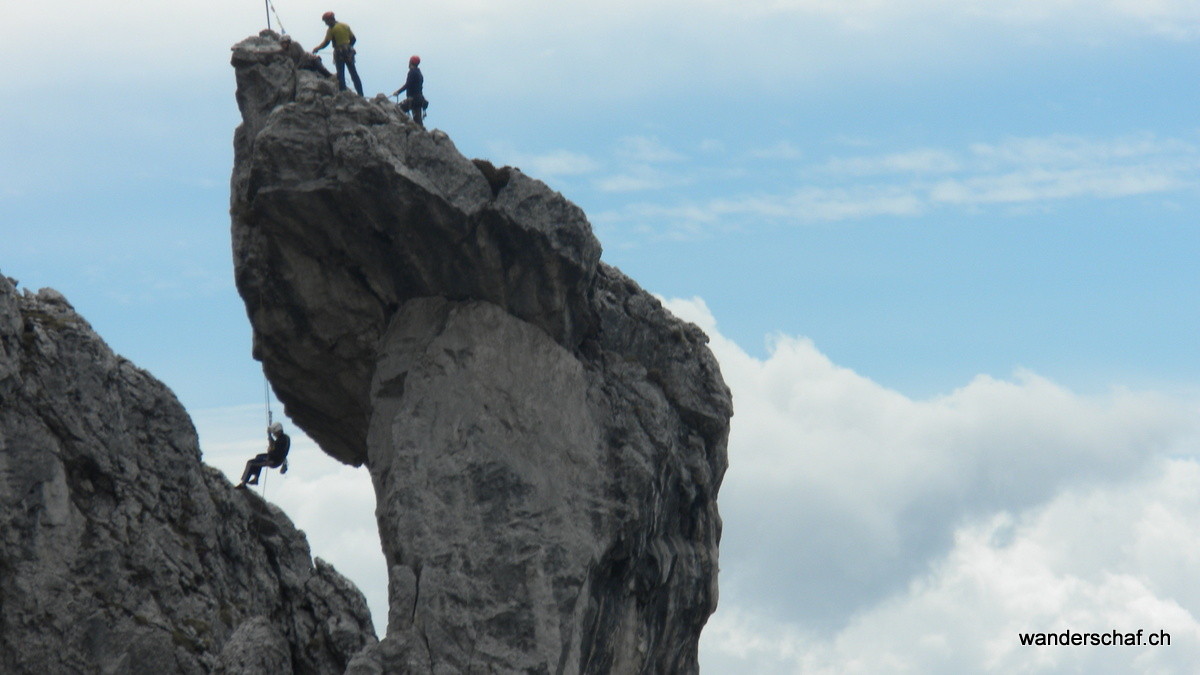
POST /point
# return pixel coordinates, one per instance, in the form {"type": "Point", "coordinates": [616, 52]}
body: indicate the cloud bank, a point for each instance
{"type": "Point", "coordinates": [672, 43]}
{"type": "Point", "coordinates": [1015, 173]}
{"type": "Point", "coordinates": [869, 532]}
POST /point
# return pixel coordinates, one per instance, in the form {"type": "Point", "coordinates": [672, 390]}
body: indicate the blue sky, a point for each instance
{"type": "Point", "coordinates": [946, 251]}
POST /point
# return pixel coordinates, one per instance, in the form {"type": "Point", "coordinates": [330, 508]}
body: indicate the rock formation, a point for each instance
{"type": "Point", "coordinates": [120, 552]}
{"type": "Point", "coordinates": [545, 440]}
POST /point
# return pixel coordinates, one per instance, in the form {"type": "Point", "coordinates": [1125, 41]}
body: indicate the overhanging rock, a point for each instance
{"type": "Point", "coordinates": [545, 440]}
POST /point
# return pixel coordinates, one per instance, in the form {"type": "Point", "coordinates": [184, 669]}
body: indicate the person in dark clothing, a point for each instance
{"type": "Point", "coordinates": [415, 86]}
{"type": "Point", "coordinates": [278, 444]}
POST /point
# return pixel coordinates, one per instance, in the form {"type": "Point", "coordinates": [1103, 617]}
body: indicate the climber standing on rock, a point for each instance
{"type": "Point", "coordinates": [343, 50]}
{"type": "Point", "coordinates": [415, 86]}
{"type": "Point", "coordinates": [278, 444]}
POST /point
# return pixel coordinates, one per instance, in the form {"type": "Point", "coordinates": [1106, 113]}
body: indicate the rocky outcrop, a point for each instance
{"type": "Point", "coordinates": [120, 552]}
{"type": "Point", "coordinates": [545, 440]}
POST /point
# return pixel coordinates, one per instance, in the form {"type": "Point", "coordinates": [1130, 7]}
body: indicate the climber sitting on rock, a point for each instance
{"type": "Point", "coordinates": [278, 444]}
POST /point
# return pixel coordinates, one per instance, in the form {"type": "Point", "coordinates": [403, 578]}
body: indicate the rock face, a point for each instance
{"type": "Point", "coordinates": [120, 552]}
{"type": "Point", "coordinates": [545, 440]}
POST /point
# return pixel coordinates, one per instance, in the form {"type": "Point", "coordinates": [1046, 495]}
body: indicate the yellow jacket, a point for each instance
{"type": "Point", "coordinates": [340, 34]}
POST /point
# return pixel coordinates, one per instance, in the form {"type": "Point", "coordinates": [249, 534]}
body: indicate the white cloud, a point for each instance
{"type": "Point", "coordinates": [640, 160]}
{"type": "Point", "coordinates": [1023, 170]}
{"type": "Point", "coordinates": [1029, 171]}
{"type": "Point", "coordinates": [781, 150]}
{"type": "Point", "coordinates": [869, 532]}
{"type": "Point", "coordinates": [1175, 18]}
{"type": "Point", "coordinates": [562, 163]}
{"type": "Point", "coordinates": [546, 165]}
{"type": "Point", "coordinates": [711, 146]}
{"type": "Point", "coordinates": [1040, 185]}
{"type": "Point", "coordinates": [639, 178]}
{"type": "Point", "coordinates": [784, 150]}
{"type": "Point", "coordinates": [504, 52]}
{"type": "Point", "coordinates": [630, 182]}
{"type": "Point", "coordinates": [919, 161]}
{"type": "Point", "coordinates": [809, 204]}
{"type": "Point", "coordinates": [1059, 150]}
{"type": "Point", "coordinates": [1178, 19]}
{"type": "Point", "coordinates": [1109, 558]}
{"type": "Point", "coordinates": [646, 150]}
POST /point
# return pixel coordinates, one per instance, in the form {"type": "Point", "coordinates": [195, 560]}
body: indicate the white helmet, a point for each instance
{"type": "Point", "coordinates": [275, 428]}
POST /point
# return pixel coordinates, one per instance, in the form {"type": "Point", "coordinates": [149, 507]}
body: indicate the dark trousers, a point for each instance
{"type": "Point", "coordinates": [416, 106]}
{"type": "Point", "coordinates": [343, 63]}
{"type": "Point", "coordinates": [255, 466]}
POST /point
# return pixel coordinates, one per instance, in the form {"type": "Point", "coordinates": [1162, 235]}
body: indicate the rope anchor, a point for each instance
{"type": "Point", "coordinates": [270, 9]}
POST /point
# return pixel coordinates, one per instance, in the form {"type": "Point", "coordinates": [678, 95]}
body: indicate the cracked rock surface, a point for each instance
{"type": "Point", "coordinates": [120, 552]}
{"type": "Point", "coordinates": [546, 441]}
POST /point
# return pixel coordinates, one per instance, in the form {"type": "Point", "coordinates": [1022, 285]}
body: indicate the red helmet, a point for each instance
{"type": "Point", "coordinates": [327, 16]}
{"type": "Point", "coordinates": [414, 60]}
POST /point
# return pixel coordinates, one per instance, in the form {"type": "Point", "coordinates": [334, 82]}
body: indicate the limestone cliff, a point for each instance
{"type": "Point", "coordinates": [120, 552]}
{"type": "Point", "coordinates": [545, 440]}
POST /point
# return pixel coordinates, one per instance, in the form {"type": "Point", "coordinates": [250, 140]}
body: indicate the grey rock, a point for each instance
{"type": "Point", "coordinates": [120, 551]}
{"type": "Point", "coordinates": [362, 169]}
{"type": "Point", "coordinates": [546, 441]}
{"type": "Point", "coordinates": [256, 648]}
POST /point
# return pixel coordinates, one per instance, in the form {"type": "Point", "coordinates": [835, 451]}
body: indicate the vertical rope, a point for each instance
{"type": "Point", "coordinates": [282, 30]}
{"type": "Point", "coordinates": [270, 419]}
{"type": "Point", "coordinates": [267, 399]}
{"type": "Point", "coordinates": [266, 383]}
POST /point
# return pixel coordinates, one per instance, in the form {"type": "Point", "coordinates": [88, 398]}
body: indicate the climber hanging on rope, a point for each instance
{"type": "Point", "coordinates": [278, 444]}
{"type": "Point", "coordinates": [343, 50]}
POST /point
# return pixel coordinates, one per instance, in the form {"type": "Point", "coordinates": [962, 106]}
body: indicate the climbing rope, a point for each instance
{"type": "Point", "coordinates": [267, 399]}
{"type": "Point", "coordinates": [266, 470]}
{"type": "Point", "coordinates": [270, 420]}
{"type": "Point", "coordinates": [270, 7]}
